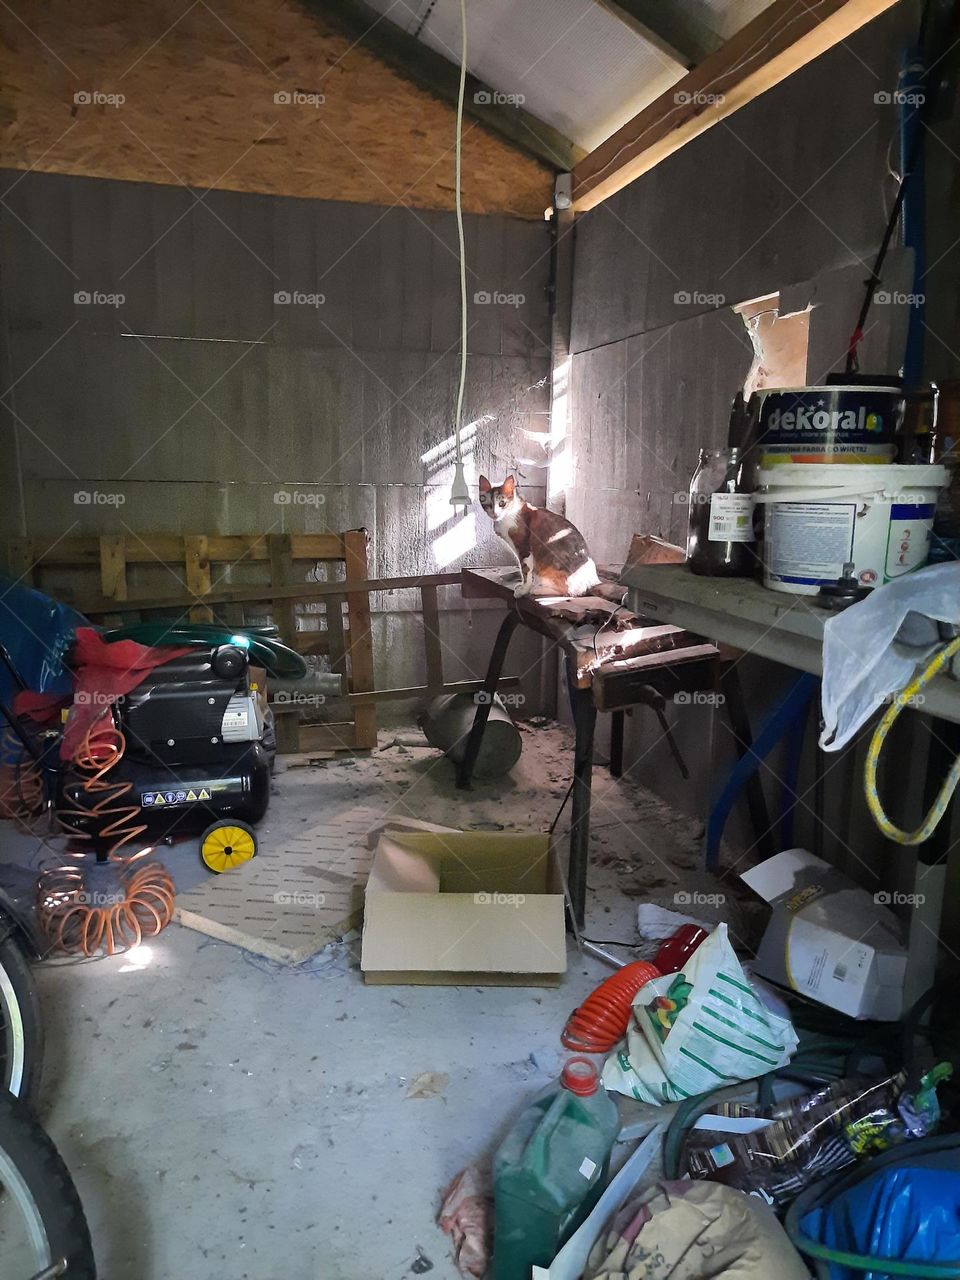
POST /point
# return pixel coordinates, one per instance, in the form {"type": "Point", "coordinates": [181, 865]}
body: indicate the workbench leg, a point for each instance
{"type": "Point", "coordinates": [485, 699]}
{"type": "Point", "coordinates": [585, 720]}
{"type": "Point", "coordinates": [736, 710]}
{"type": "Point", "coordinates": [616, 744]}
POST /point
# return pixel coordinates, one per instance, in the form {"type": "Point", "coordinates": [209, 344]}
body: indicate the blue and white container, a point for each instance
{"type": "Point", "coordinates": [819, 517]}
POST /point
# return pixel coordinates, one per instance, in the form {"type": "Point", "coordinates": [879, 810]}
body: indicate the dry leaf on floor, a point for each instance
{"type": "Point", "coordinates": [428, 1084]}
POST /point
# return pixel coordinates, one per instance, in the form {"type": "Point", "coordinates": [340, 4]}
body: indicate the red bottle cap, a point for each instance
{"type": "Point", "coordinates": [579, 1075]}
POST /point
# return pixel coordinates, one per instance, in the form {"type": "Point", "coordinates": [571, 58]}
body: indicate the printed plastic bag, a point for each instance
{"type": "Point", "coordinates": [872, 649]}
{"type": "Point", "coordinates": [699, 1030]}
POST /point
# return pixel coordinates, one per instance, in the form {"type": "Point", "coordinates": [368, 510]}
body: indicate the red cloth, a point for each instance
{"type": "Point", "coordinates": [102, 674]}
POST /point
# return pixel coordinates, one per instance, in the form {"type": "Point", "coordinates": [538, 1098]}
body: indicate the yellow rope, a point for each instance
{"type": "Point", "coordinates": [938, 808]}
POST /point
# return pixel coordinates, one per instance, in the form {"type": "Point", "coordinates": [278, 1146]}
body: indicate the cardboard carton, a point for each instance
{"type": "Point", "coordinates": [470, 907]}
{"type": "Point", "coordinates": [827, 938]}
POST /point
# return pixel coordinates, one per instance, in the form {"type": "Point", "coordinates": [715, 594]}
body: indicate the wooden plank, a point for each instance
{"type": "Point", "coordinates": [779, 41]}
{"type": "Point", "coordinates": [286, 723]}
{"type": "Point", "coordinates": [337, 645]}
{"type": "Point", "coordinates": [312, 642]}
{"type": "Point", "coordinates": [281, 573]}
{"type": "Point", "coordinates": [424, 691]}
{"type": "Point", "coordinates": [316, 546]}
{"type": "Point", "coordinates": [259, 595]}
{"type": "Point", "coordinates": [196, 559]}
{"type": "Point", "coordinates": [113, 566]}
{"type": "Point", "coordinates": [238, 546]}
{"type": "Point", "coordinates": [333, 737]}
{"type": "Point", "coordinates": [431, 638]}
{"type": "Point", "coordinates": [361, 638]}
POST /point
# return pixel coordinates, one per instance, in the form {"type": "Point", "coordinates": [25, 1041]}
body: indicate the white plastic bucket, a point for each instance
{"type": "Point", "coordinates": [819, 517]}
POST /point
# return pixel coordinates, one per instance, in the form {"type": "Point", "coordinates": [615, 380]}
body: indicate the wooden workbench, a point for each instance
{"type": "Point", "coordinates": [614, 659]}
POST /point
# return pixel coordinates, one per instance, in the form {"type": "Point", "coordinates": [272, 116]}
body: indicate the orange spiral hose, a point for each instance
{"type": "Point", "coordinates": [603, 1017]}
{"type": "Point", "coordinates": [102, 747]}
{"type": "Point", "coordinates": [76, 918]}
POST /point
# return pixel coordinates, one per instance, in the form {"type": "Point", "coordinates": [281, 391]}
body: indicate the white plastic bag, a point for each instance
{"type": "Point", "coordinates": [698, 1030]}
{"type": "Point", "coordinates": [863, 663]}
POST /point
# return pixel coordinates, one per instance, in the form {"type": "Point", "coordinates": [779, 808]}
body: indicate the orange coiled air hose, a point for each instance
{"type": "Point", "coordinates": [102, 747]}
{"type": "Point", "coordinates": [601, 1021]}
{"type": "Point", "coordinates": [112, 907]}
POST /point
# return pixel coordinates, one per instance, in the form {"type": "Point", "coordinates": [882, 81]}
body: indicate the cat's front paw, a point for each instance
{"type": "Point", "coordinates": [523, 589]}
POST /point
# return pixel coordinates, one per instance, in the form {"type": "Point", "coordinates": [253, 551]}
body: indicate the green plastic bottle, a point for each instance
{"type": "Point", "coordinates": [550, 1170]}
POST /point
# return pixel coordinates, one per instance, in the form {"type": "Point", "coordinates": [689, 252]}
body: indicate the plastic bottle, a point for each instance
{"type": "Point", "coordinates": [550, 1170]}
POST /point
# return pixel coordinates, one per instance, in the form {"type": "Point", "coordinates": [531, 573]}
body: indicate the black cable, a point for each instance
{"type": "Point", "coordinates": [563, 805]}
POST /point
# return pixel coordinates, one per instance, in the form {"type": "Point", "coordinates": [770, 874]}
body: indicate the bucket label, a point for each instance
{"type": "Point", "coordinates": [731, 517]}
{"type": "Point", "coordinates": [908, 537]}
{"type": "Point", "coordinates": [828, 424]}
{"type": "Point", "coordinates": [809, 542]}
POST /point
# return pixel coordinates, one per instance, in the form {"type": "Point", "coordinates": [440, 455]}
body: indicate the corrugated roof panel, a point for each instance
{"type": "Point", "coordinates": [574, 64]}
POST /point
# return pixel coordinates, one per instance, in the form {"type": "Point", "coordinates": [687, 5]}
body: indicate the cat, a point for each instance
{"type": "Point", "coordinates": [553, 554]}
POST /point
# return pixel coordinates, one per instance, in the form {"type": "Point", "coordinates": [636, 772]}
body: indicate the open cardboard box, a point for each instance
{"type": "Point", "coordinates": [464, 907]}
{"type": "Point", "coordinates": [827, 938]}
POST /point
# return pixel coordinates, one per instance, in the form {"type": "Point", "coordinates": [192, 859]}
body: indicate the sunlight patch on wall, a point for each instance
{"type": "Point", "coordinates": [560, 472]}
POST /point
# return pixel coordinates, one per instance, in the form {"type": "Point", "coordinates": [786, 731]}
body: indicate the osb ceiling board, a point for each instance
{"type": "Point", "coordinates": [244, 95]}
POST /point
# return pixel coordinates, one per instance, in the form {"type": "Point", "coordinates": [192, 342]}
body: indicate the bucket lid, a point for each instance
{"type": "Point", "coordinates": [853, 389]}
{"type": "Point", "coordinates": [579, 1075]}
{"type": "Point", "coordinates": [847, 475]}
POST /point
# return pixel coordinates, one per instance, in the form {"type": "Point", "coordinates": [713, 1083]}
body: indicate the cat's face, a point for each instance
{"type": "Point", "coordinates": [499, 501]}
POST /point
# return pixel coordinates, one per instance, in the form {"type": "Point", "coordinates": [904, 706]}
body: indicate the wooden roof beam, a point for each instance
{"type": "Point", "coordinates": [441, 77]}
{"type": "Point", "coordinates": [778, 42]}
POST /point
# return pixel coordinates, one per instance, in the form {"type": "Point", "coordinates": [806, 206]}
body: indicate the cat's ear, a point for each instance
{"type": "Point", "coordinates": [485, 485]}
{"type": "Point", "coordinates": [508, 487]}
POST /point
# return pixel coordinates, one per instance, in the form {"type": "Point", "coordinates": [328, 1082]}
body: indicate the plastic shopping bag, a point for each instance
{"type": "Point", "coordinates": [872, 649]}
{"type": "Point", "coordinates": [699, 1030]}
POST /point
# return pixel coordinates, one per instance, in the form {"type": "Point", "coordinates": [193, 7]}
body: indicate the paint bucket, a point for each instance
{"type": "Point", "coordinates": [827, 425]}
{"type": "Point", "coordinates": [818, 517]}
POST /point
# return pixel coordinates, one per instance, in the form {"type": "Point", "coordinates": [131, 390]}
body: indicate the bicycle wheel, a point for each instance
{"type": "Point", "coordinates": [21, 1036]}
{"type": "Point", "coordinates": [43, 1231]}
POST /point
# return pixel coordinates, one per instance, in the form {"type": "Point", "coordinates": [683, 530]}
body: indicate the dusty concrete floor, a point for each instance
{"type": "Point", "coordinates": [222, 1116]}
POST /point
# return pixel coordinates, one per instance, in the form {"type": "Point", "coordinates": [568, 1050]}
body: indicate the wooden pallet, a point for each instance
{"type": "Point", "coordinates": [101, 569]}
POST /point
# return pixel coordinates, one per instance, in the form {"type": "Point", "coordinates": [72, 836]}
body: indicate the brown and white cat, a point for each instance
{"type": "Point", "coordinates": [554, 558]}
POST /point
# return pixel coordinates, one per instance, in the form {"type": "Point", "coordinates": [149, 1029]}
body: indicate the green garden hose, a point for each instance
{"type": "Point", "coordinates": [263, 643]}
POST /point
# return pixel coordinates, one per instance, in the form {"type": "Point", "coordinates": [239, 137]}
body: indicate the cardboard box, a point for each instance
{"type": "Point", "coordinates": [464, 907]}
{"type": "Point", "coordinates": [827, 938]}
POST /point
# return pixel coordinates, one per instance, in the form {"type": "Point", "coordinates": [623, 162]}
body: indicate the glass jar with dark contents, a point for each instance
{"type": "Point", "coordinates": [720, 539]}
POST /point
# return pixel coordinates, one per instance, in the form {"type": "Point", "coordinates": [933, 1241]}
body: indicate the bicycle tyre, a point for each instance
{"type": "Point", "coordinates": [55, 1203]}
{"type": "Point", "coordinates": [21, 1028]}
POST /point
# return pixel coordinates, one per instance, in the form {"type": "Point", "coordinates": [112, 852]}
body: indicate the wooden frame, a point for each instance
{"type": "Point", "coordinates": [193, 558]}
{"type": "Point", "coordinates": [780, 40]}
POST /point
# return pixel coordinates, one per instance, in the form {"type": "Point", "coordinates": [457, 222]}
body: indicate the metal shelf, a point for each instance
{"type": "Point", "coordinates": [742, 613]}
